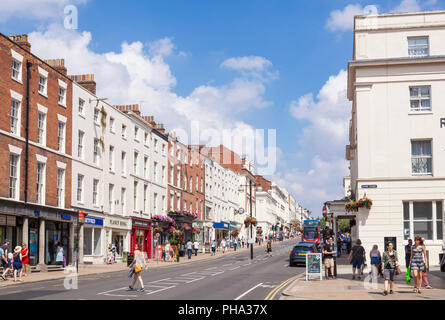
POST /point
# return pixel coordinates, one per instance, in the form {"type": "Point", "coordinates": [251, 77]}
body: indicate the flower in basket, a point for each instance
{"type": "Point", "coordinates": [157, 230]}
{"type": "Point", "coordinates": [171, 230]}
{"type": "Point", "coordinates": [235, 233]}
{"type": "Point", "coordinates": [185, 226]}
{"type": "Point", "coordinates": [367, 203]}
{"type": "Point", "coordinates": [254, 221]}
{"type": "Point", "coordinates": [196, 231]}
{"type": "Point", "coordinates": [351, 206]}
{"type": "Point", "coordinates": [193, 215]}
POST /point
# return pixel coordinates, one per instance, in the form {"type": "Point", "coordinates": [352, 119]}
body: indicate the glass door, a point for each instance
{"type": "Point", "coordinates": [33, 245]}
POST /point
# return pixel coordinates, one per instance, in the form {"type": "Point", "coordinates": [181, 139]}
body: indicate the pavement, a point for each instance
{"type": "Point", "coordinates": [229, 276]}
{"type": "Point", "coordinates": [344, 288]}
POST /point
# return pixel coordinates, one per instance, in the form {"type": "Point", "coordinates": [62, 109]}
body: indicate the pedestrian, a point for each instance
{"type": "Point", "coordinates": [223, 245]}
{"type": "Point", "coordinates": [25, 259]}
{"type": "Point", "coordinates": [339, 244]}
{"type": "Point", "coordinates": [418, 262]}
{"type": "Point", "coordinates": [17, 263]}
{"type": "Point", "coordinates": [163, 253]}
{"type": "Point", "coordinates": [328, 255]}
{"type": "Point", "coordinates": [242, 241]}
{"type": "Point", "coordinates": [136, 268]}
{"type": "Point", "coordinates": [189, 248]}
{"type": "Point", "coordinates": [4, 259]}
{"type": "Point", "coordinates": [408, 252]}
{"type": "Point", "coordinates": [176, 251]}
{"type": "Point", "coordinates": [376, 262]}
{"type": "Point", "coordinates": [425, 280]}
{"type": "Point", "coordinates": [196, 247]}
{"type": "Point", "coordinates": [167, 248]}
{"type": "Point", "coordinates": [390, 264]}
{"type": "Point", "coordinates": [11, 267]}
{"type": "Point", "coordinates": [235, 243]}
{"type": "Point", "coordinates": [213, 247]}
{"type": "Point", "coordinates": [269, 248]}
{"type": "Point", "coordinates": [60, 254]}
{"type": "Point", "coordinates": [356, 258]}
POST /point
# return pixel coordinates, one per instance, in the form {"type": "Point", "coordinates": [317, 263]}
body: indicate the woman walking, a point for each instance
{"type": "Point", "coordinates": [357, 257]}
{"type": "Point", "coordinates": [136, 265]}
{"type": "Point", "coordinates": [390, 263]}
{"type": "Point", "coordinates": [25, 259]}
{"type": "Point", "coordinates": [376, 261]}
{"type": "Point", "coordinates": [167, 251]}
{"type": "Point", "coordinates": [269, 248]}
{"type": "Point", "coordinates": [17, 263]}
{"type": "Point", "coordinates": [418, 262]}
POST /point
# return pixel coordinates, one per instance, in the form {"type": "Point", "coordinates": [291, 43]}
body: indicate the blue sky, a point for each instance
{"type": "Point", "coordinates": [299, 45]}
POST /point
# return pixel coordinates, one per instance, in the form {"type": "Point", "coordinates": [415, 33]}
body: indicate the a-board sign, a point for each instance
{"type": "Point", "coordinates": [313, 265]}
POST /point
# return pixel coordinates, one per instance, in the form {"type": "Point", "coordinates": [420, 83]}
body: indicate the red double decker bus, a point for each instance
{"type": "Point", "coordinates": [311, 231]}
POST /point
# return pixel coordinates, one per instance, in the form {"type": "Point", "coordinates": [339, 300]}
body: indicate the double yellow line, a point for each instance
{"type": "Point", "coordinates": [277, 289]}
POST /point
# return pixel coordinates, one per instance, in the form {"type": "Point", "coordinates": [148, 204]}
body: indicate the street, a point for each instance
{"type": "Point", "coordinates": [231, 277]}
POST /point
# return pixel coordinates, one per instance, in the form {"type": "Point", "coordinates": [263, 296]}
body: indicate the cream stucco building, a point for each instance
{"type": "Point", "coordinates": [396, 82]}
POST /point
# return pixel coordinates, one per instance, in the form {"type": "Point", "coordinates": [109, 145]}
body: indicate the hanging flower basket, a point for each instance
{"type": "Point", "coordinates": [166, 219]}
{"type": "Point", "coordinates": [250, 221]}
{"type": "Point", "coordinates": [351, 206]}
{"type": "Point", "coordinates": [186, 227]}
{"type": "Point", "coordinates": [259, 231]}
{"type": "Point", "coordinates": [365, 203]}
{"type": "Point", "coordinates": [235, 233]}
{"type": "Point", "coordinates": [158, 230]}
{"type": "Point", "coordinates": [193, 215]}
{"type": "Point", "coordinates": [171, 230]}
{"type": "Point", "coordinates": [196, 231]}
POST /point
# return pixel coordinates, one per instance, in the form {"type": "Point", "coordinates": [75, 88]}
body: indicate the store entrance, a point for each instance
{"type": "Point", "coordinates": [55, 233]}
{"type": "Point", "coordinates": [33, 242]}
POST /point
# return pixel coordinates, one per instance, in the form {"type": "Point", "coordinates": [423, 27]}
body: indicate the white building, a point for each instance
{"type": "Point", "coordinates": [114, 180]}
{"type": "Point", "coordinates": [396, 83]}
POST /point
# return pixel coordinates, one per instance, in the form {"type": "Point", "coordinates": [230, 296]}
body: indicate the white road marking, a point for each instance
{"type": "Point", "coordinates": [248, 291]}
{"type": "Point", "coordinates": [156, 291]}
{"type": "Point", "coordinates": [119, 295]}
{"type": "Point", "coordinates": [235, 268]}
{"type": "Point", "coordinates": [105, 292]}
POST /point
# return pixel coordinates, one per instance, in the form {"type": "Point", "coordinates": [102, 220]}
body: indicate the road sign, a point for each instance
{"type": "Point", "coordinates": [313, 265]}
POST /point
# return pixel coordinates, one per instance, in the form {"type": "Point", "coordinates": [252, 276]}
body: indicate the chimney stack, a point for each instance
{"type": "Point", "coordinates": [160, 128]}
{"type": "Point", "coordinates": [58, 64]}
{"type": "Point", "coordinates": [21, 40]}
{"type": "Point", "coordinates": [86, 81]}
{"type": "Point", "coordinates": [129, 108]}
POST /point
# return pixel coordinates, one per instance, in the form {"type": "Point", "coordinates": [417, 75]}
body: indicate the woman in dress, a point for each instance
{"type": "Point", "coordinates": [138, 264]}
{"type": "Point", "coordinates": [418, 262]}
{"type": "Point", "coordinates": [25, 258]}
{"type": "Point", "coordinates": [390, 262]}
{"type": "Point", "coordinates": [17, 263]}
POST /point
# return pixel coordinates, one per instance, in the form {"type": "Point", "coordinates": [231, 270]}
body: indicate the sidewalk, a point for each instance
{"type": "Point", "coordinates": [344, 288]}
{"type": "Point", "coordinates": [91, 269]}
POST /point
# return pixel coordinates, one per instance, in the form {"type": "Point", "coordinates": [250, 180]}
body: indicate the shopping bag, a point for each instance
{"type": "Point", "coordinates": [408, 275]}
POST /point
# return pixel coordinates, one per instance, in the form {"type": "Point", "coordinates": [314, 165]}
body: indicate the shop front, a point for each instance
{"type": "Point", "coordinates": [141, 235]}
{"type": "Point", "coordinates": [10, 230]}
{"type": "Point", "coordinates": [117, 234]}
{"type": "Point", "coordinates": [222, 230]}
{"type": "Point", "coordinates": [93, 251]}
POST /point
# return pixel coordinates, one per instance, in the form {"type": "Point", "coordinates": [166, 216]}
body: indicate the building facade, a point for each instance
{"type": "Point", "coordinates": [396, 82]}
{"type": "Point", "coordinates": [35, 144]}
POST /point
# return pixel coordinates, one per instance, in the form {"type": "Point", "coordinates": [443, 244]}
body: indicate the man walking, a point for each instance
{"type": "Point", "coordinates": [196, 247]}
{"type": "Point", "coordinates": [328, 254]}
{"type": "Point", "coordinates": [223, 245]}
{"type": "Point", "coordinates": [189, 249]}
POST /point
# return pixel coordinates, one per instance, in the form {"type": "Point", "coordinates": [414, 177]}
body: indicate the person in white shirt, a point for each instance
{"type": "Point", "coordinates": [223, 245]}
{"type": "Point", "coordinates": [196, 247]}
{"type": "Point", "coordinates": [189, 249]}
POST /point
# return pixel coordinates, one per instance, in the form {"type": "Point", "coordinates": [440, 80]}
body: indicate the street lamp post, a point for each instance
{"type": "Point", "coordinates": [251, 225]}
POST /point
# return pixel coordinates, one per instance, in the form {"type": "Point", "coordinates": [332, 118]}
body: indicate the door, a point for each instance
{"type": "Point", "coordinates": [33, 245]}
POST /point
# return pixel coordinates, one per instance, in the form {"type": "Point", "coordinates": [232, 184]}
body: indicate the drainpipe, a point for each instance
{"type": "Point", "coordinates": [28, 77]}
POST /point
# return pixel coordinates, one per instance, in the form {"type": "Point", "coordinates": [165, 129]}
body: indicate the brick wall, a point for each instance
{"type": "Point", "coordinates": [53, 109]}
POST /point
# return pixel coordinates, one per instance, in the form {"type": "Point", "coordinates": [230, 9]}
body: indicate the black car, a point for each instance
{"type": "Point", "coordinates": [309, 242]}
{"type": "Point", "coordinates": [298, 253]}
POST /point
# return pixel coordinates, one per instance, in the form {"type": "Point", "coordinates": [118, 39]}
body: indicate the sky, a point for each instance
{"type": "Point", "coordinates": [223, 66]}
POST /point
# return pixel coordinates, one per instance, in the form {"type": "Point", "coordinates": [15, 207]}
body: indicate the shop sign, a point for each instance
{"type": "Point", "coordinates": [139, 223]}
{"type": "Point", "coordinates": [11, 221]}
{"type": "Point", "coordinates": [313, 265]}
{"type": "Point", "coordinates": [37, 213]}
{"type": "Point", "coordinates": [65, 217]}
{"type": "Point", "coordinates": [94, 221]}
{"type": "Point", "coordinates": [369, 186]}
{"type": "Point", "coordinates": [122, 224]}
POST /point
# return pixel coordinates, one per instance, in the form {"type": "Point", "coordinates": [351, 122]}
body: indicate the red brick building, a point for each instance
{"type": "Point", "coordinates": [35, 150]}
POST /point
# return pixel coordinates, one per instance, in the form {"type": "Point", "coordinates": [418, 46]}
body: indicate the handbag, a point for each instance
{"type": "Point", "coordinates": [408, 275]}
{"type": "Point", "coordinates": [137, 268]}
{"type": "Point", "coordinates": [392, 260]}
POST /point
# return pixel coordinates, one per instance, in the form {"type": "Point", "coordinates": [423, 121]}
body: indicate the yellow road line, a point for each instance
{"type": "Point", "coordinates": [277, 289]}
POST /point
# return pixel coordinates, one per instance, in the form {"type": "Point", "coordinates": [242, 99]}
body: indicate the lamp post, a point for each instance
{"type": "Point", "coordinates": [251, 214]}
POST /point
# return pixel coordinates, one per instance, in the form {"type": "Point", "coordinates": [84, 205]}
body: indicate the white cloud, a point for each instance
{"type": "Point", "coordinates": [408, 6]}
{"type": "Point", "coordinates": [323, 140]}
{"type": "Point", "coordinates": [138, 72]}
{"type": "Point", "coordinates": [257, 67]}
{"type": "Point", "coordinates": [343, 19]}
{"type": "Point", "coordinates": [32, 9]}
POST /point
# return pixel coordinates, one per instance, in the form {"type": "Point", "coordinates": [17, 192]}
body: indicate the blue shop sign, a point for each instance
{"type": "Point", "coordinates": [369, 186]}
{"type": "Point", "coordinates": [65, 217]}
{"type": "Point", "coordinates": [94, 221]}
{"type": "Point", "coordinates": [221, 225]}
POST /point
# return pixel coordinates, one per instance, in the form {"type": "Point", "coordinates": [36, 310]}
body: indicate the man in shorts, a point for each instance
{"type": "Point", "coordinates": [5, 262]}
{"type": "Point", "coordinates": [213, 247]}
{"type": "Point", "coordinates": [328, 255]}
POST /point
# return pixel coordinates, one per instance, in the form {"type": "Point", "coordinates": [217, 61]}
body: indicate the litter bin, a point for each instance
{"type": "Point", "coordinates": [130, 257]}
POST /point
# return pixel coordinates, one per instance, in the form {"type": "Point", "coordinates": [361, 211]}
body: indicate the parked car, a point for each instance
{"type": "Point", "coordinates": [310, 242]}
{"type": "Point", "coordinates": [299, 252]}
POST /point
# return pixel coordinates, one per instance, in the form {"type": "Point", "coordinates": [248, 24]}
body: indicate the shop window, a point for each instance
{"type": "Point", "coordinates": [419, 219]}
